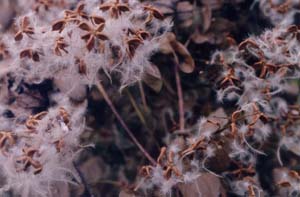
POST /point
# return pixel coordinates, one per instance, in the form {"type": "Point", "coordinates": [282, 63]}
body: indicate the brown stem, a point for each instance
{"type": "Point", "coordinates": [180, 99]}
{"type": "Point", "coordinates": [132, 137]}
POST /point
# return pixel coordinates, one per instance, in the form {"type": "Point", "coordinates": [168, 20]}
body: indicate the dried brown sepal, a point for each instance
{"type": "Point", "coordinates": [4, 53]}
{"type": "Point", "coordinates": [123, 7]}
{"type": "Point", "coordinates": [247, 42]}
{"type": "Point", "coordinates": [281, 8]}
{"type": "Point", "coordinates": [18, 36]}
{"type": "Point", "coordinates": [26, 53]}
{"type": "Point", "coordinates": [101, 36]}
{"type": "Point", "coordinates": [46, 4]}
{"type": "Point", "coordinates": [168, 173]}
{"type": "Point", "coordinates": [145, 171]}
{"type": "Point", "coordinates": [97, 20]}
{"type": "Point", "coordinates": [100, 27]}
{"type": "Point", "coordinates": [78, 12]}
{"type": "Point", "coordinates": [82, 68]}
{"type": "Point", "coordinates": [162, 153]}
{"type": "Point", "coordinates": [59, 144]}
{"type": "Point", "coordinates": [251, 191]}
{"type": "Point", "coordinates": [116, 8]}
{"type": "Point", "coordinates": [231, 41]}
{"type": "Point", "coordinates": [105, 7]}
{"type": "Point", "coordinates": [90, 43]}
{"type": "Point", "coordinates": [27, 160]}
{"type": "Point", "coordinates": [29, 53]}
{"type": "Point", "coordinates": [141, 34]}
{"type": "Point", "coordinates": [6, 138]}
{"type": "Point", "coordinates": [292, 29]}
{"type": "Point", "coordinates": [84, 26]}
{"type": "Point", "coordinates": [65, 115]}
{"type": "Point", "coordinates": [60, 45]}
{"type": "Point", "coordinates": [133, 44]}
{"type": "Point", "coordinates": [40, 115]}
{"type": "Point", "coordinates": [284, 184]}
{"type": "Point", "coordinates": [265, 68]}
{"type": "Point", "coordinates": [153, 13]}
{"type": "Point", "coordinates": [294, 174]}
{"type": "Point", "coordinates": [24, 29]}
{"type": "Point", "coordinates": [59, 25]}
{"type": "Point", "coordinates": [35, 56]}
{"type": "Point", "coordinates": [230, 79]}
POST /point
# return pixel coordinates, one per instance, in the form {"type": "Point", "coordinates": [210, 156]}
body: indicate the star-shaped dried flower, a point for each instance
{"type": "Point", "coordinates": [92, 34]}
{"type": "Point", "coordinates": [115, 8]}
{"type": "Point", "coordinates": [24, 29]}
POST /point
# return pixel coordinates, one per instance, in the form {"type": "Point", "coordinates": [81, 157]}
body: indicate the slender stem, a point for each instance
{"type": "Point", "coordinates": [141, 88]}
{"type": "Point", "coordinates": [87, 191]}
{"type": "Point", "coordinates": [180, 99]}
{"type": "Point", "coordinates": [132, 137]}
{"type": "Point", "coordinates": [136, 108]}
